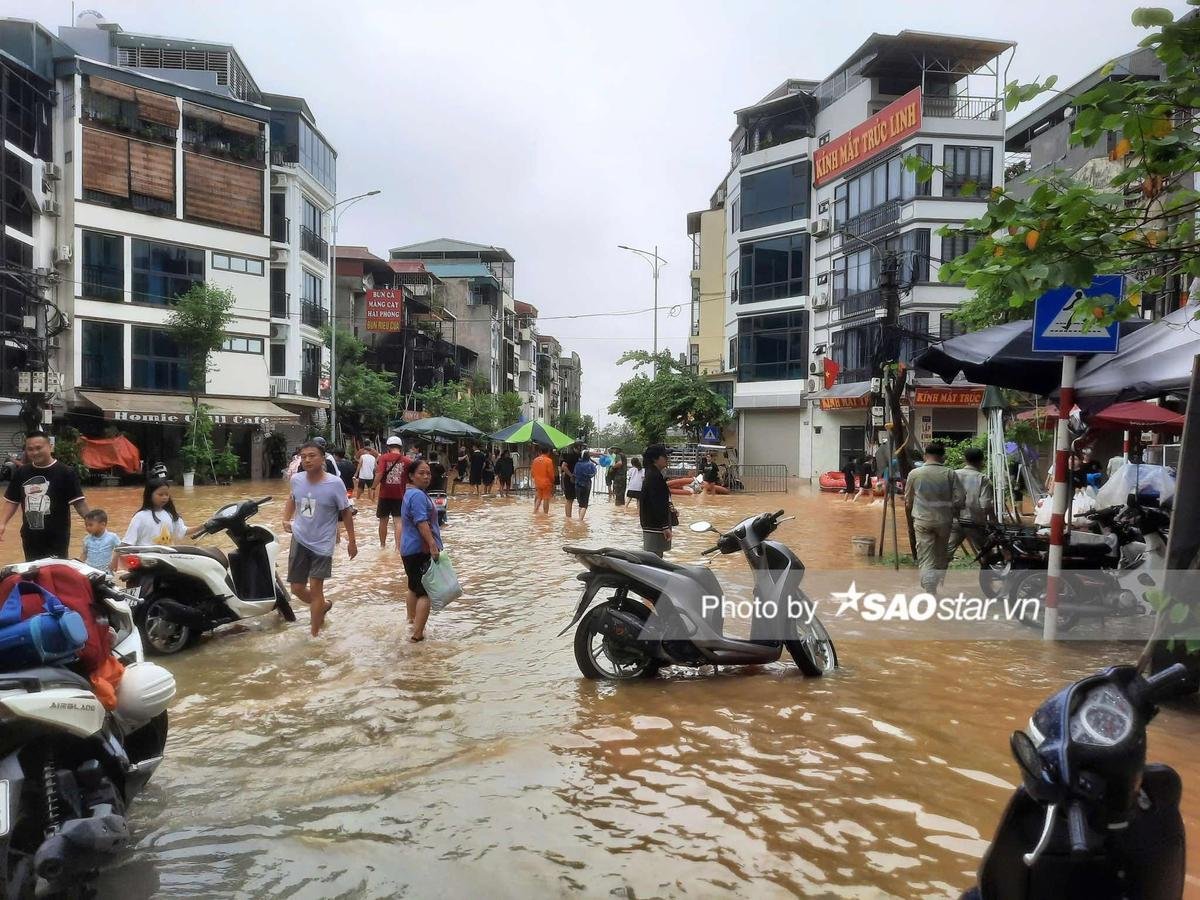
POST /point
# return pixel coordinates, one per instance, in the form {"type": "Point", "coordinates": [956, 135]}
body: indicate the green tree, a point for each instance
{"type": "Point", "coordinates": [198, 324]}
{"type": "Point", "coordinates": [575, 424]}
{"type": "Point", "coordinates": [1141, 222]}
{"type": "Point", "coordinates": [367, 400]}
{"type": "Point", "coordinates": [617, 434]}
{"type": "Point", "coordinates": [469, 402]}
{"type": "Point", "coordinates": [673, 396]}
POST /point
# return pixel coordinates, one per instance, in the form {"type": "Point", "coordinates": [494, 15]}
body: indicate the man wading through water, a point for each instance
{"type": "Point", "coordinates": [933, 496]}
{"type": "Point", "coordinates": [316, 502]}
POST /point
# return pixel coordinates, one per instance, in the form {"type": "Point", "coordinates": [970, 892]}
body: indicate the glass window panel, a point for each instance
{"type": "Point", "coordinates": [103, 355]}
{"type": "Point", "coordinates": [103, 266]}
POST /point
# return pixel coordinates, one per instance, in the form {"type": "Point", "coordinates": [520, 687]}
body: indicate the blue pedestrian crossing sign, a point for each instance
{"type": "Point", "coordinates": [710, 434]}
{"type": "Point", "coordinates": [1061, 317]}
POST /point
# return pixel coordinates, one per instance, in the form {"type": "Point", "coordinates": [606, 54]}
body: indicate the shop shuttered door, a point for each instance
{"type": "Point", "coordinates": [772, 437]}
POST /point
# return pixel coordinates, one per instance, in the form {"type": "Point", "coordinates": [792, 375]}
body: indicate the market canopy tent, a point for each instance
{"type": "Point", "coordinates": [1003, 356]}
{"type": "Point", "coordinates": [533, 432]}
{"type": "Point", "coordinates": [1156, 360]}
{"type": "Point", "coordinates": [1129, 415]}
{"type": "Point", "coordinates": [440, 427]}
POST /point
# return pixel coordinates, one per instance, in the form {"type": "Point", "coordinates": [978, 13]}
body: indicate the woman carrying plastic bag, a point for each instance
{"type": "Point", "coordinates": [420, 547]}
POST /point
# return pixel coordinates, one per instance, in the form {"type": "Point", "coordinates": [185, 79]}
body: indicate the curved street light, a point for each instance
{"type": "Point", "coordinates": [656, 262]}
{"type": "Point", "coordinates": [347, 203]}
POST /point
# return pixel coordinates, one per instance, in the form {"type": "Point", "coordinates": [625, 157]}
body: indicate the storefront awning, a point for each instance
{"type": "Point", "coordinates": [176, 410]}
{"type": "Point", "coordinates": [855, 395]}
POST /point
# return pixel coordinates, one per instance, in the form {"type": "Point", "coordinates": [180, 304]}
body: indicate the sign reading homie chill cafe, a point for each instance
{"type": "Point", "coordinates": [888, 127]}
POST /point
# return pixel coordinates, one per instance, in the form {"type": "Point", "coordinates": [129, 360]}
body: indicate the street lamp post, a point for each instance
{"type": "Point", "coordinates": [656, 262]}
{"type": "Point", "coordinates": [349, 201]}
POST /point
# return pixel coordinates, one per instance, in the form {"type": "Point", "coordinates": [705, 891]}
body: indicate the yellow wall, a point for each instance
{"type": "Point", "coordinates": [711, 276]}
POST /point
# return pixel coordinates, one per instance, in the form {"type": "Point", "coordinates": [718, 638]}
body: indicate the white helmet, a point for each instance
{"type": "Point", "coordinates": [145, 690]}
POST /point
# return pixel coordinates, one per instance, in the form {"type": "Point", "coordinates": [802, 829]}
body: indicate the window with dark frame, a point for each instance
{"type": "Point", "coordinates": [158, 364]}
{"type": "Point", "coordinates": [967, 171]}
{"type": "Point", "coordinates": [163, 272]}
{"type": "Point", "coordinates": [227, 262]}
{"type": "Point", "coordinates": [957, 243]}
{"type": "Point", "coordinates": [887, 182]}
{"type": "Point", "coordinates": [773, 347]}
{"type": "Point", "coordinates": [239, 344]}
{"type": "Point", "coordinates": [775, 195]}
{"type": "Point", "coordinates": [278, 362]}
{"type": "Point", "coordinates": [773, 269]}
{"type": "Point", "coordinates": [103, 359]}
{"type": "Point", "coordinates": [103, 266]}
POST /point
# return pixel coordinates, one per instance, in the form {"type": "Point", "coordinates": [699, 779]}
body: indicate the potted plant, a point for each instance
{"type": "Point", "coordinates": [226, 465]}
{"type": "Point", "coordinates": [192, 456]}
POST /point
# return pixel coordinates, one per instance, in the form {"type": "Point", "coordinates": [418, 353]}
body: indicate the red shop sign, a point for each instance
{"type": "Point", "coordinates": [892, 124]}
{"type": "Point", "coordinates": [385, 310]}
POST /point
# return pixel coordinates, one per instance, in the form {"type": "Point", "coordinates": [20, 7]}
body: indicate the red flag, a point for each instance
{"type": "Point", "coordinates": [832, 370]}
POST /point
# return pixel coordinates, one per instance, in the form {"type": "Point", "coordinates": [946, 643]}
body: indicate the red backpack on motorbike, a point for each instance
{"type": "Point", "coordinates": [75, 592]}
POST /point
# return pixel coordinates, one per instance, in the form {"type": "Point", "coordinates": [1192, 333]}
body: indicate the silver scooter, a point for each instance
{"type": "Point", "coordinates": [663, 613]}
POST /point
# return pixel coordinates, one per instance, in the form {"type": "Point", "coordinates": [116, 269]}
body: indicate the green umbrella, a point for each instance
{"type": "Point", "coordinates": [440, 427]}
{"type": "Point", "coordinates": [536, 432]}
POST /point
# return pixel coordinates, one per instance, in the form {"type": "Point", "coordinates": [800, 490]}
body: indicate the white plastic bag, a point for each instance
{"type": "Point", "coordinates": [1135, 479]}
{"type": "Point", "coordinates": [441, 582]}
{"type": "Point", "coordinates": [1081, 504]}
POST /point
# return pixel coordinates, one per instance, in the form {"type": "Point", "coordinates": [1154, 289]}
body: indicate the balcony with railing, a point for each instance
{"type": "Point", "coordinates": [281, 229]}
{"type": "Point", "coordinates": [313, 244]}
{"type": "Point", "coordinates": [962, 107]}
{"type": "Point", "coordinates": [285, 154]}
{"type": "Point", "coordinates": [313, 313]}
{"type": "Point", "coordinates": [280, 304]}
{"type": "Point", "coordinates": [281, 385]}
{"type": "Point", "coordinates": [874, 219]}
{"type": "Point", "coordinates": [859, 302]}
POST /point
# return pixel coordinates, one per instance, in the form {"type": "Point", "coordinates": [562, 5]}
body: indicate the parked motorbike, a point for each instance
{"type": "Point", "coordinates": [1091, 818]}
{"type": "Point", "coordinates": [656, 615]}
{"type": "Point", "coordinates": [1106, 575]}
{"type": "Point", "coordinates": [69, 768]}
{"type": "Point", "coordinates": [184, 591]}
{"type": "Point", "coordinates": [441, 503]}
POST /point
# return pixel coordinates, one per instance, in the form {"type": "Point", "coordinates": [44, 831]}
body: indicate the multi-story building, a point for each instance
{"type": "Point", "coordinates": [478, 290]}
{"type": "Point", "coordinates": [29, 217]}
{"type": "Point", "coordinates": [817, 195]}
{"type": "Point", "coordinates": [706, 349]}
{"type": "Point", "coordinates": [303, 191]}
{"type": "Point", "coordinates": [415, 337]}
{"type": "Point", "coordinates": [532, 405]}
{"type": "Point", "coordinates": [570, 369]}
{"type": "Point", "coordinates": [165, 184]}
{"type": "Point", "coordinates": [549, 356]}
{"type": "Point", "coordinates": [1039, 146]}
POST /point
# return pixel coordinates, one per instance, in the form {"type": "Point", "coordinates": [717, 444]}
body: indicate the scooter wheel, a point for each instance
{"type": "Point", "coordinates": [162, 637]}
{"type": "Point", "coordinates": [599, 658]}
{"type": "Point", "coordinates": [813, 649]}
{"type": "Point", "coordinates": [1032, 587]}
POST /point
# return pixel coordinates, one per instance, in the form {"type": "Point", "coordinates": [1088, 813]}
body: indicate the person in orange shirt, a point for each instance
{"type": "Point", "coordinates": [543, 474]}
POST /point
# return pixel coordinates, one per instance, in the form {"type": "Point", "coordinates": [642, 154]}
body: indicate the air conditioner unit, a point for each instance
{"type": "Point", "coordinates": [819, 227]}
{"type": "Point", "coordinates": [814, 385]}
{"type": "Point", "coordinates": [51, 171]}
{"type": "Point", "coordinates": [63, 254]}
{"type": "Point", "coordinates": [279, 255]}
{"type": "Point", "coordinates": [274, 389]}
{"type": "Point", "coordinates": [278, 180]}
{"type": "Point", "coordinates": [814, 368]}
{"type": "Point", "coordinates": [278, 331]}
{"type": "Point", "coordinates": [820, 300]}
{"type": "Point", "coordinates": [51, 208]}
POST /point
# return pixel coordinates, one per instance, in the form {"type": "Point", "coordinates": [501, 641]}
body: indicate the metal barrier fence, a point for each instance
{"type": "Point", "coordinates": [523, 482]}
{"type": "Point", "coordinates": [758, 479]}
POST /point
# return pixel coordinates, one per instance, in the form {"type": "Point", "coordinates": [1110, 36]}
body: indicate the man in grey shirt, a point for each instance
{"type": "Point", "coordinates": [316, 502]}
{"type": "Point", "coordinates": [979, 504]}
{"type": "Point", "coordinates": [933, 496]}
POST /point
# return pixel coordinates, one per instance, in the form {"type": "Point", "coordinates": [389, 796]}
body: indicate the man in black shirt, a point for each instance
{"type": "Point", "coordinates": [43, 489]}
{"type": "Point", "coordinates": [570, 458]}
{"type": "Point", "coordinates": [654, 504]}
{"type": "Point", "coordinates": [437, 474]}
{"type": "Point", "coordinates": [345, 468]}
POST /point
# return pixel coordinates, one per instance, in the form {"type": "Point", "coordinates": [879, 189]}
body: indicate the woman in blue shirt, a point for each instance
{"type": "Point", "coordinates": [420, 542]}
{"type": "Point", "coordinates": [585, 471]}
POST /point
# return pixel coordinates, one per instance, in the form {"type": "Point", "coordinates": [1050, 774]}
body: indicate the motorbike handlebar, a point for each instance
{"type": "Point", "coordinates": [1077, 829]}
{"type": "Point", "coordinates": [713, 549]}
{"type": "Point", "coordinates": [263, 500]}
{"type": "Point", "coordinates": [1162, 685]}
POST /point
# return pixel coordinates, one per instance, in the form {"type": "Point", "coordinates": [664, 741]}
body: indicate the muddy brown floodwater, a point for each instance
{"type": "Point", "coordinates": [481, 763]}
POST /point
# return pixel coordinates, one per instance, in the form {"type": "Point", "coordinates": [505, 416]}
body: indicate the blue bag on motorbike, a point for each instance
{"type": "Point", "coordinates": [53, 636]}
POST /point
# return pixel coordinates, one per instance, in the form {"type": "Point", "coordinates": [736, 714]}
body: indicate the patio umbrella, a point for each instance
{"type": "Point", "coordinates": [533, 432]}
{"type": "Point", "coordinates": [440, 427]}
{"type": "Point", "coordinates": [1003, 355]}
{"type": "Point", "coordinates": [1156, 360]}
{"type": "Point", "coordinates": [1128, 415]}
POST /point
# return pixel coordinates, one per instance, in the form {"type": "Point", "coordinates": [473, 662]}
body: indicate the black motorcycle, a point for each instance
{"type": "Point", "coordinates": [1091, 818]}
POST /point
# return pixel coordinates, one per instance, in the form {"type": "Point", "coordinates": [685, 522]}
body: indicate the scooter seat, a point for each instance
{"type": "Point", "coordinates": [48, 677]}
{"type": "Point", "coordinates": [1097, 544]}
{"type": "Point", "coordinates": [639, 557]}
{"type": "Point", "coordinates": [210, 552]}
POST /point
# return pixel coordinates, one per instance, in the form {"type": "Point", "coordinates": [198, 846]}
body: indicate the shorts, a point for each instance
{"type": "Point", "coordinates": [655, 542]}
{"type": "Point", "coordinates": [505, 481]}
{"type": "Point", "coordinates": [568, 488]}
{"type": "Point", "coordinates": [414, 567]}
{"type": "Point", "coordinates": [366, 482]}
{"type": "Point", "coordinates": [386, 508]}
{"type": "Point", "coordinates": [44, 544]}
{"type": "Point", "coordinates": [633, 495]}
{"type": "Point", "coordinates": [303, 564]}
{"type": "Point", "coordinates": [583, 493]}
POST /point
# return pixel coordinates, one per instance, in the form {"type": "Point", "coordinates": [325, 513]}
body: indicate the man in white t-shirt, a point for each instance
{"type": "Point", "coordinates": [365, 476]}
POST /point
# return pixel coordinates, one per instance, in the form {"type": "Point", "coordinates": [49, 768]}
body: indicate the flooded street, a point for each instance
{"type": "Point", "coordinates": [482, 763]}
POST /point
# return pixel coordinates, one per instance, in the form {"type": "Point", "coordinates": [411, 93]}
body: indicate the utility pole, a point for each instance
{"type": "Point", "coordinates": [656, 263]}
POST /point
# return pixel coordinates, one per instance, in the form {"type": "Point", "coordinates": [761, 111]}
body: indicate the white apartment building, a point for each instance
{"type": "Point", "coordinates": [810, 223]}
{"type": "Point", "coordinates": [165, 183]}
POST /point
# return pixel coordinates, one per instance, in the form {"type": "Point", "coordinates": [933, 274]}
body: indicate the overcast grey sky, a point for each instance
{"type": "Point", "coordinates": [559, 130]}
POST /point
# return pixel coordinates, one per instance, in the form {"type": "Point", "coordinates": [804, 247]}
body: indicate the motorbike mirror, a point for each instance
{"type": "Point", "coordinates": [1038, 779]}
{"type": "Point", "coordinates": [701, 527]}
